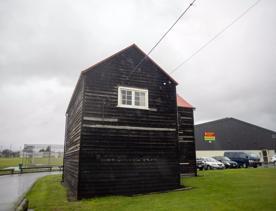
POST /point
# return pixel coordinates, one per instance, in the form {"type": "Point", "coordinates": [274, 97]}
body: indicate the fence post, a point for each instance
{"type": "Point", "coordinates": [20, 168]}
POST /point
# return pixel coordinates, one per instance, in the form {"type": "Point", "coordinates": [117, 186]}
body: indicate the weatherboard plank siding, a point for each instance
{"type": "Point", "coordinates": [186, 141]}
{"type": "Point", "coordinates": [72, 139]}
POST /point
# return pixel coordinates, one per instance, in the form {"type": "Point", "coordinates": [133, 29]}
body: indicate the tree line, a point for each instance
{"type": "Point", "coordinates": [6, 153]}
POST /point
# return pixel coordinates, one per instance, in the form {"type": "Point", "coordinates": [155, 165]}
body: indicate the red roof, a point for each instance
{"type": "Point", "coordinates": [183, 103]}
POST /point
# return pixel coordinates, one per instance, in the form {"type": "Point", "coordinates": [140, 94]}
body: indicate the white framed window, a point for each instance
{"type": "Point", "coordinates": [132, 97]}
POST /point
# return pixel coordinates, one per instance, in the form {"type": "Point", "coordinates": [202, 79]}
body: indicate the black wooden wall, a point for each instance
{"type": "Point", "coordinates": [72, 139]}
{"type": "Point", "coordinates": [186, 141]}
{"type": "Point", "coordinates": [124, 150]}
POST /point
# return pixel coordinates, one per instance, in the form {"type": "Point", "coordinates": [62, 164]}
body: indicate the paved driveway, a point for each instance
{"type": "Point", "coordinates": [12, 187]}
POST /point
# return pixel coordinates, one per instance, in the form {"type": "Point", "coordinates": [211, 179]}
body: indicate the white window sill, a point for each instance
{"type": "Point", "coordinates": [133, 107]}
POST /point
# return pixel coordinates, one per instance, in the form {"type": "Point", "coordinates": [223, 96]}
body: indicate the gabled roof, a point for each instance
{"type": "Point", "coordinates": [183, 103]}
{"type": "Point", "coordinates": [125, 49]}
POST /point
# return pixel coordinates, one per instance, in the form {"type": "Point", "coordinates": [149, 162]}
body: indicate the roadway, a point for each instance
{"type": "Point", "coordinates": [13, 187]}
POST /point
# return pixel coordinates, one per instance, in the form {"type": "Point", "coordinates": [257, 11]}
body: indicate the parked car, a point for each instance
{"type": "Point", "coordinates": [226, 161]}
{"type": "Point", "coordinates": [200, 164]}
{"type": "Point", "coordinates": [243, 159]}
{"type": "Point", "coordinates": [273, 159]}
{"type": "Point", "coordinates": [255, 158]}
{"type": "Point", "coordinates": [211, 163]}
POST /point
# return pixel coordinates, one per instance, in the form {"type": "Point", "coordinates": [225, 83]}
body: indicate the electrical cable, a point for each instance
{"type": "Point", "coordinates": [215, 37]}
{"type": "Point", "coordinates": [164, 35]}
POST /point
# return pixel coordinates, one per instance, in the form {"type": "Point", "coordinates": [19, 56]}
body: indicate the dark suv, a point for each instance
{"type": "Point", "coordinates": [243, 159]}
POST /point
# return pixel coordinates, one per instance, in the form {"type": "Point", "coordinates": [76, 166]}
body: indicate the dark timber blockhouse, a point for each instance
{"type": "Point", "coordinates": [122, 129]}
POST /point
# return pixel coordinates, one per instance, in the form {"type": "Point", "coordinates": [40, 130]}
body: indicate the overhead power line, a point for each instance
{"type": "Point", "coordinates": [164, 35]}
{"type": "Point", "coordinates": [215, 37]}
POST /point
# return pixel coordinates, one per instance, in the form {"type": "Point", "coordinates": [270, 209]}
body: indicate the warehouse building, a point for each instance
{"type": "Point", "coordinates": [230, 134]}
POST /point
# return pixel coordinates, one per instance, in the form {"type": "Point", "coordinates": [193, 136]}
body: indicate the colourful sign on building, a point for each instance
{"type": "Point", "coordinates": [209, 136]}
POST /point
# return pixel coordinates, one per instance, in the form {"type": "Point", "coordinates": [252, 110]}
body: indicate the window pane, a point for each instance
{"type": "Point", "coordinates": [142, 99]}
{"type": "Point", "coordinates": [123, 96]}
{"type": "Point", "coordinates": [128, 97]}
{"type": "Point", "coordinates": [139, 98]}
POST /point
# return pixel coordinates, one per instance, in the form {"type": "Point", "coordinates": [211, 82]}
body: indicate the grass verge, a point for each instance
{"type": "Point", "coordinates": [238, 189]}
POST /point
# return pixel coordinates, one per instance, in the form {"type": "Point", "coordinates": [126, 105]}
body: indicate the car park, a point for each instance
{"type": "Point", "coordinates": [243, 159]}
{"type": "Point", "coordinates": [228, 163]}
{"type": "Point", "coordinates": [211, 163]}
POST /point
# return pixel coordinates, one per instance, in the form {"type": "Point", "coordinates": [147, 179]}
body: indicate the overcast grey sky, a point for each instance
{"type": "Point", "coordinates": [45, 44]}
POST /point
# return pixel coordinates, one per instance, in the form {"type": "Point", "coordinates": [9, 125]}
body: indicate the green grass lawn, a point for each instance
{"type": "Point", "coordinates": [238, 189]}
{"type": "Point", "coordinates": [7, 162]}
